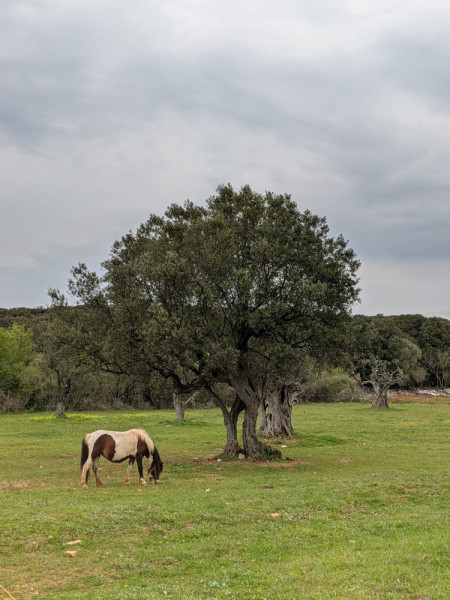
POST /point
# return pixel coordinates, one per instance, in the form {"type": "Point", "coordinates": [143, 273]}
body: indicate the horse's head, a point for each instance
{"type": "Point", "coordinates": [155, 469]}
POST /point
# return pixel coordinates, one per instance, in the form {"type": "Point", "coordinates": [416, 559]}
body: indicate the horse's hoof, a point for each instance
{"type": "Point", "coordinates": [127, 482]}
{"type": "Point", "coordinates": [85, 485]}
{"type": "Point", "coordinates": [142, 482]}
{"type": "Point", "coordinates": [99, 484]}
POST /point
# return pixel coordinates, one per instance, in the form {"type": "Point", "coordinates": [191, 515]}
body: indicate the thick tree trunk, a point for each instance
{"type": "Point", "coordinates": [280, 404]}
{"type": "Point", "coordinates": [232, 448]}
{"type": "Point", "coordinates": [253, 448]}
{"type": "Point", "coordinates": [60, 410]}
{"type": "Point", "coordinates": [279, 416]}
{"type": "Point", "coordinates": [383, 402]}
{"type": "Point", "coordinates": [380, 399]}
{"type": "Point", "coordinates": [230, 419]}
{"type": "Point", "coordinates": [178, 404]}
{"type": "Point", "coordinates": [262, 416]}
{"type": "Point", "coordinates": [63, 392]}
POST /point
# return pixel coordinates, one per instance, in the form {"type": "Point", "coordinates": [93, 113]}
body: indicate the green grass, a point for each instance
{"type": "Point", "coordinates": [363, 509]}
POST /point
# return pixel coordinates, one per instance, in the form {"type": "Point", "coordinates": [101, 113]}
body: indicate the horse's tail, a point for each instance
{"type": "Point", "coordinates": [84, 454]}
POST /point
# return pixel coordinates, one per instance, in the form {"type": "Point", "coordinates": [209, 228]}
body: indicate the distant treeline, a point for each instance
{"type": "Point", "coordinates": [37, 367]}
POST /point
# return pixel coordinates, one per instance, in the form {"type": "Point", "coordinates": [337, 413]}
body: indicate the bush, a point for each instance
{"type": "Point", "coordinates": [16, 350]}
{"type": "Point", "coordinates": [11, 404]}
{"type": "Point", "coordinates": [331, 385]}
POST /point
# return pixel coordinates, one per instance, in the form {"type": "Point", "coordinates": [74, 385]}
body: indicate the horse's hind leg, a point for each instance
{"type": "Point", "coordinates": [85, 473]}
{"type": "Point", "coordinates": [130, 466]}
{"type": "Point", "coordinates": [95, 468]}
{"type": "Point", "coordinates": [141, 471]}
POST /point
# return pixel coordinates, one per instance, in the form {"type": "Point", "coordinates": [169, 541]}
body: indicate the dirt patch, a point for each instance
{"type": "Point", "coordinates": [248, 464]}
{"type": "Point", "coordinates": [291, 463]}
{"type": "Point", "coordinates": [411, 489]}
{"type": "Point", "coordinates": [14, 484]}
{"type": "Point", "coordinates": [345, 460]}
{"type": "Point", "coordinates": [279, 442]}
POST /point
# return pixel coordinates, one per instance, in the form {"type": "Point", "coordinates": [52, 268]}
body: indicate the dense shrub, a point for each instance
{"type": "Point", "coordinates": [330, 385]}
{"type": "Point", "coordinates": [16, 352]}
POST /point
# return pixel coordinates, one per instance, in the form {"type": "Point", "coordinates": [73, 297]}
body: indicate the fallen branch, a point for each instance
{"type": "Point", "coordinates": [6, 592]}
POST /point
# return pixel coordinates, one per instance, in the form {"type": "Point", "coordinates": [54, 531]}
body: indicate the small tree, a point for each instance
{"type": "Point", "coordinates": [58, 342]}
{"type": "Point", "coordinates": [180, 401]}
{"type": "Point", "coordinates": [382, 378]}
{"type": "Point", "coordinates": [382, 356]}
{"type": "Point", "coordinates": [437, 362]}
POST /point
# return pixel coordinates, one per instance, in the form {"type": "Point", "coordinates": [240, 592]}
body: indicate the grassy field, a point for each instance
{"type": "Point", "coordinates": [361, 511]}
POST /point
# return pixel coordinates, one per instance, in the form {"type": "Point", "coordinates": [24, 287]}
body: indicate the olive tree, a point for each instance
{"type": "Point", "coordinates": [204, 293]}
{"type": "Point", "coordinates": [383, 356]}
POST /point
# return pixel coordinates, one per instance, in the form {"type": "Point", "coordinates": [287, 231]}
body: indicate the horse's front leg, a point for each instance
{"type": "Point", "coordinates": [141, 471]}
{"type": "Point", "coordinates": [95, 468]}
{"type": "Point", "coordinates": [130, 466]}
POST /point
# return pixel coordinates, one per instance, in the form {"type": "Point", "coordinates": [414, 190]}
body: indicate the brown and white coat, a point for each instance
{"type": "Point", "coordinates": [117, 446]}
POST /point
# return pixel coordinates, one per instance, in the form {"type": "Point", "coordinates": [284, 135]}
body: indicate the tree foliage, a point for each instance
{"type": "Point", "coordinates": [16, 351]}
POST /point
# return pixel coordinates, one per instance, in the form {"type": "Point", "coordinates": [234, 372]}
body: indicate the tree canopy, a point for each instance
{"type": "Point", "coordinates": [16, 349]}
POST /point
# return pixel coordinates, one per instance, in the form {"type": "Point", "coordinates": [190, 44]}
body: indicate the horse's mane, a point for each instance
{"type": "Point", "coordinates": [157, 459]}
{"type": "Point", "coordinates": [144, 436]}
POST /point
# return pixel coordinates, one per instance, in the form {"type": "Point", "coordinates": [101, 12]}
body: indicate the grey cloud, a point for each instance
{"type": "Point", "coordinates": [421, 66]}
{"type": "Point", "coordinates": [51, 271]}
{"type": "Point", "coordinates": [116, 129]}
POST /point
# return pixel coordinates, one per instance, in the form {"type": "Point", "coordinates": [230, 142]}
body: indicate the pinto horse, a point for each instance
{"type": "Point", "coordinates": [117, 446]}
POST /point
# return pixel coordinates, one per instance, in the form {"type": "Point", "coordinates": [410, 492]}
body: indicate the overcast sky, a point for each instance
{"type": "Point", "coordinates": [112, 110]}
